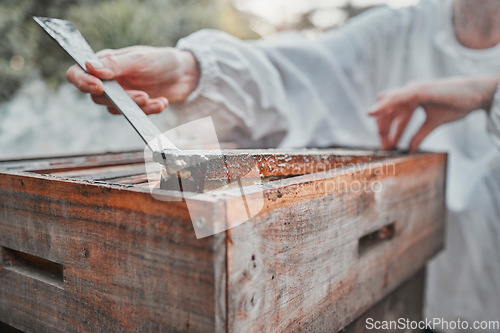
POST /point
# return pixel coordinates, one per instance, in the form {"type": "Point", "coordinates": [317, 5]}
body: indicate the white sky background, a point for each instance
{"type": "Point", "coordinates": [270, 14]}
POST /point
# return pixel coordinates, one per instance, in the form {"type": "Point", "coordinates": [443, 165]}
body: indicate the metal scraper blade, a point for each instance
{"type": "Point", "coordinates": [75, 45]}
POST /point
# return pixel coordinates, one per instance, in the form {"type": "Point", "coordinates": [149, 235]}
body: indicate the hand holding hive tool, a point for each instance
{"type": "Point", "coordinates": [165, 152]}
{"type": "Point", "coordinates": [184, 170]}
{"type": "Point", "coordinates": [75, 45]}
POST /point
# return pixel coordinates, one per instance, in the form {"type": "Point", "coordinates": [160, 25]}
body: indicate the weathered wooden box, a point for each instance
{"type": "Point", "coordinates": [84, 247]}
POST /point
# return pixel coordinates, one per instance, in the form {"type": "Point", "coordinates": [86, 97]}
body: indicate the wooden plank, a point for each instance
{"type": "Point", "coordinates": [60, 164]}
{"type": "Point", "coordinates": [232, 164]}
{"type": "Point", "coordinates": [407, 302]}
{"type": "Point", "coordinates": [131, 263]}
{"type": "Point", "coordinates": [299, 257]}
{"type": "Point", "coordinates": [104, 173]}
{"type": "Point", "coordinates": [133, 180]}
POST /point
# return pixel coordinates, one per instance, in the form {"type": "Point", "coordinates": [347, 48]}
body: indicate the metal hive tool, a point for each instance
{"type": "Point", "coordinates": [164, 151]}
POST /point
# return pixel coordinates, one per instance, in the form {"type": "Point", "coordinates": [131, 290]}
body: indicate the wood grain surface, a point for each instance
{"type": "Point", "coordinates": [131, 263]}
{"type": "Point", "coordinates": [297, 266]}
{"type": "Point", "coordinates": [316, 256]}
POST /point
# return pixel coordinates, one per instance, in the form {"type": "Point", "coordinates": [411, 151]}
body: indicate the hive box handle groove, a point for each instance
{"type": "Point", "coordinates": [373, 239]}
{"type": "Point", "coordinates": [5, 328]}
{"type": "Point", "coordinates": [34, 267]}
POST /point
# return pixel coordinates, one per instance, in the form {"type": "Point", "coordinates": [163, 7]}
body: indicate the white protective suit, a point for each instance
{"type": "Point", "coordinates": [288, 91]}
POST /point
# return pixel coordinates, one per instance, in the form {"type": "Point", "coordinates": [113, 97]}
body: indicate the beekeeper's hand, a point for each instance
{"type": "Point", "coordinates": [152, 76]}
{"type": "Point", "coordinates": [443, 101]}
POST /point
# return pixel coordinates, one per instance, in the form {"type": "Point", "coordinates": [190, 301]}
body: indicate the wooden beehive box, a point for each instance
{"type": "Point", "coordinates": [86, 248]}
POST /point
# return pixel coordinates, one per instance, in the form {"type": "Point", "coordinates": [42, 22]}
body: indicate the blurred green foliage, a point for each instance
{"type": "Point", "coordinates": [26, 51]}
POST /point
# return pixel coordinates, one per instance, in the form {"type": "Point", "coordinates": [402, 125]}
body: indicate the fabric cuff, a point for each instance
{"type": "Point", "coordinates": [208, 66]}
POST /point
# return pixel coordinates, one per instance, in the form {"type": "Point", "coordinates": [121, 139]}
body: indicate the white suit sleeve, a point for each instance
{"type": "Point", "coordinates": [289, 91]}
{"type": "Point", "coordinates": [494, 118]}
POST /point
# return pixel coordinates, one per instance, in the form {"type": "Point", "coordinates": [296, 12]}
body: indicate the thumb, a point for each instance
{"type": "Point", "coordinates": [98, 68]}
{"type": "Point", "coordinates": [110, 64]}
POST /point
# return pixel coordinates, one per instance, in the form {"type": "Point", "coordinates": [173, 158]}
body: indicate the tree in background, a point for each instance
{"type": "Point", "coordinates": [25, 52]}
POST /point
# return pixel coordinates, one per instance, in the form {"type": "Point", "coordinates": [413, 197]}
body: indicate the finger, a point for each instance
{"type": "Point", "coordinates": [382, 94]}
{"type": "Point", "coordinates": [99, 69]}
{"type": "Point", "coordinates": [113, 110]}
{"type": "Point", "coordinates": [377, 109]}
{"type": "Point", "coordinates": [401, 123]}
{"type": "Point", "coordinates": [83, 81]}
{"type": "Point", "coordinates": [151, 106]}
{"type": "Point", "coordinates": [421, 134]}
{"type": "Point", "coordinates": [112, 63]}
{"type": "Point", "coordinates": [392, 102]}
{"type": "Point", "coordinates": [155, 105]}
{"type": "Point", "coordinates": [107, 52]}
{"type": "Point", "coordinates": [387, 107]}
{"type": "Point", "coordinates": [384, 125]}
{"type": "Point", "coordinates": [101, 100]}
{"type": "Point", "coordinates": [140, 98]}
